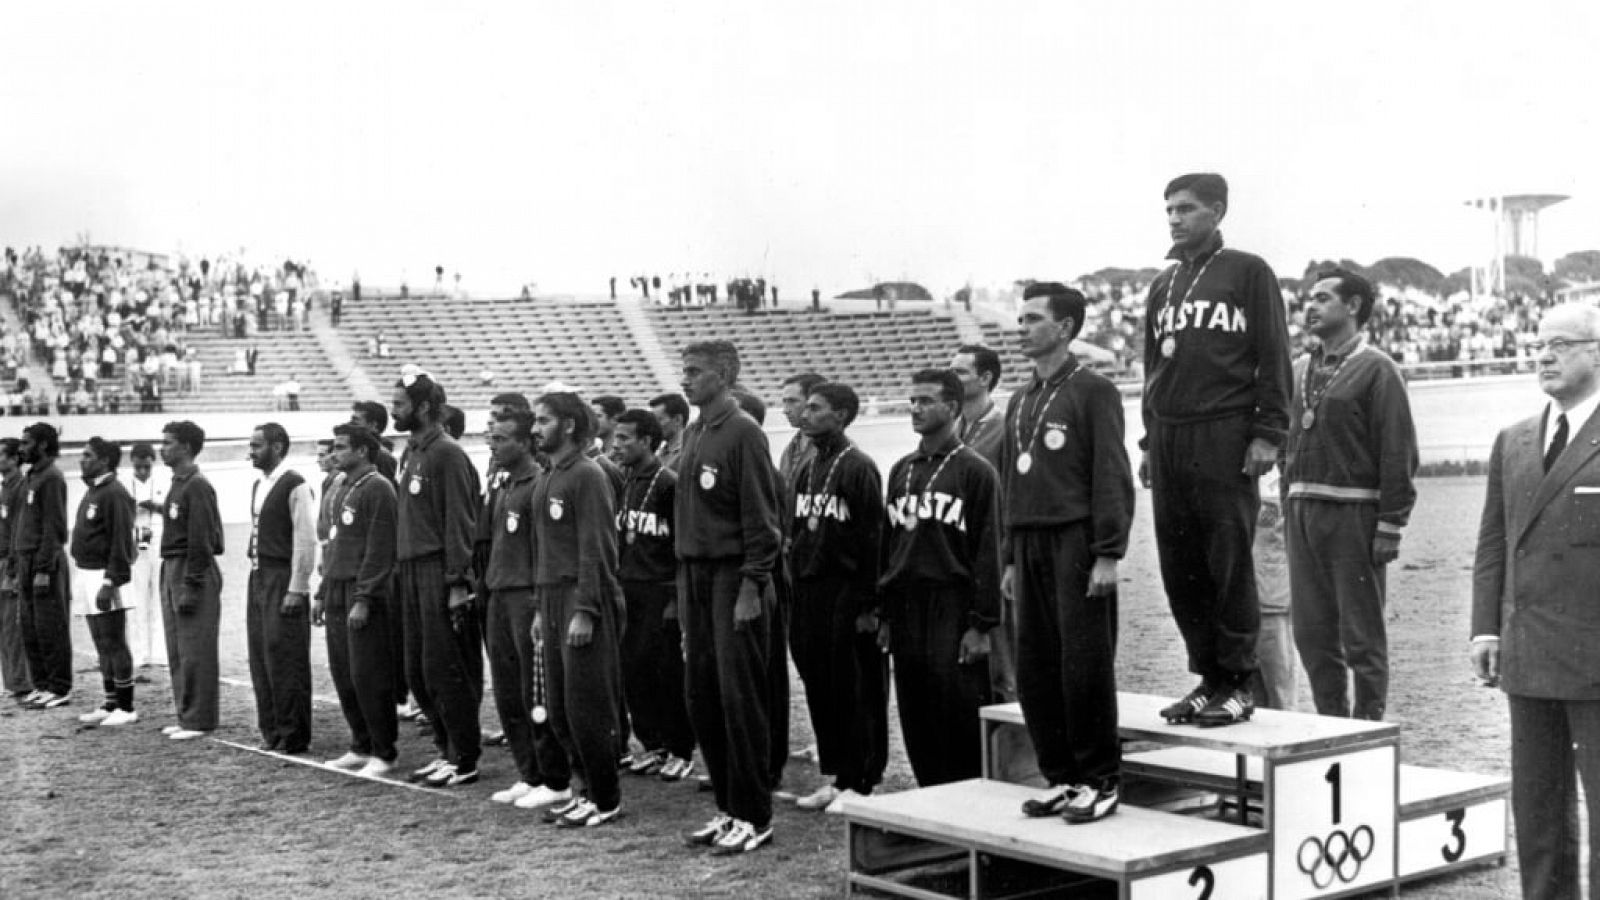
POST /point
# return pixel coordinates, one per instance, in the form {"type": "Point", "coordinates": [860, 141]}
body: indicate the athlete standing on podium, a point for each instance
{"type": "Point", "coordinates": [1216, 410]}
{"type": "Point", "coordinates": [1068, 507]}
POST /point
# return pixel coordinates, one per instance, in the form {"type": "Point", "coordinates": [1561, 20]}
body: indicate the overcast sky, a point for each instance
{"type": "Point", "coordinates": [827, 143]}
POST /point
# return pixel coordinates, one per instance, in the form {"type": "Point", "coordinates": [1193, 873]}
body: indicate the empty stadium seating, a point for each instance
{"type": "Point", "coordinates": [282, 354]}
{"type": "Point", "coordinates": [875, 352]}
{"type": "Point", "coordinates": [526, 344]}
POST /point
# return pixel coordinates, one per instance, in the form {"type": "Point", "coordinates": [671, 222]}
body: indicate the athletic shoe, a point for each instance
{"type": "Point", "coordinates": [819, 799]}
{"type": "Point", "coordinates": [120, 717]}
{"type": "Point", "coordinates": [602, 816]}
{"type": "Point", "coordinates": [741, 837]}
{"type": "Point", "coordinates": [169, 730]}
{"type": "Point", "coordinates": [408, 711]}
{"type": "Point", "coordinates": [42, 699]}
{"type": "Point", "coordinates": [1227, 707]}
{"type": "Point", "coordinates": [845, 796]}
{"type": "Point", "coordinates": [187, 734]}
{"type": "Point", "coordinates": [648, 762]}
{"type": "Point", "coordinates": [512, 794]}
{"type": "Point", "coordinates": [95, 717]}
{"type": "Point", "coordinates": [375, 768]}
{"type": "Point", "coordinates": [351, 760]}
{"type": "Point", "coordinates": [625, 761]}
{"type": "Point", "coordinates": [555, 814]}
{"type": "Point", "coordinates": [28, 699]}
{"type": "Point", "coordinates": [1186, 709]}
{"type": "Point", "coordinates": [578, 816]}
{"type": "Point", "coordinates": [1091, 803]}
{"type": "Point", "coordinates": [54, 701]}
{"type": "Point", "coordinates": [493, 739]}
{"type": "Point", "coordinates": [808, 753]}
{"type": "Point", "coordinates": [429, 769]}
{"type": "Point", "coordinates": [441, 776]}
{"type": "Point", "coordinates": [1051, 802]}
{"type": "Point", "coordinates": [676, 768]}
{"type": "Point", "coordinates": [542, 796]}
{"type": "Point", "coordinates": [708, 834]}
{"type": "Point", "coordinates": [458, 778]}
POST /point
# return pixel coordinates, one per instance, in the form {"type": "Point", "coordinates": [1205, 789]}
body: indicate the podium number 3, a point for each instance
{"type": "Point", "coordinates": [1452, 852]}
{"type": "Point", "coordinates": [1203, 877]}
{"type": "Point", "coordinates": [1333, 778]}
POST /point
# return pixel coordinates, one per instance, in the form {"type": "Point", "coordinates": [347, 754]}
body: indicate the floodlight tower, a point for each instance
{"type": "Point", "coordinates": [1514, 222]}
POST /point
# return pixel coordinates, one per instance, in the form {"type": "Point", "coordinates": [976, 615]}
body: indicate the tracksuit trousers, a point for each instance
{"type": "Point", "coordinates": [1338, 605]}
{"type": "Point", "coordinates": [192, 643]}
{"type": "Point", "coordinates": [1066, 657]}
{"type": "Point", "coordinates": [539, 757]}
{"type": "Point", "coordinates": [939, 696]}
{"type": "Point", "coordinates": [46, 618]}
{"type": "Point", "coordinates": [13, 657]}
{"type": "Point", "coordinates": [845, 676]}
{"type": "Point", "coordinates": [436, 667]}
{"type": "Point", "coordinates": [730, 670]}
{"type": "Point", "coordinates": [362, 664]}
{"type": "Point", "coordinates": [584, 687]}
{"type": "Point", "coordinates": [1205, 521]}
{"type": "Point", "coordinates": [280, 660]}
{"type": "Point", "coordinates": [652, 670]}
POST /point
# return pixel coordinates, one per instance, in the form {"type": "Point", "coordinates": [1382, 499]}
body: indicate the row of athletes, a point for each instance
{"type": "Point", "coordinates": [1027, 535]}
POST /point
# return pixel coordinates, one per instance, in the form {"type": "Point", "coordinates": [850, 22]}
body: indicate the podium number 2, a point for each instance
{"type": "Point", "coordinates": [1203, 877]}
{"type": "Point", "coordinates": [1450, 852]}
{"type": "Point", "coordinates": [1333, 779]}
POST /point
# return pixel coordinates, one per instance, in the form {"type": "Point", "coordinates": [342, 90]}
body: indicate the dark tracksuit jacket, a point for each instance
{"type": "Point", "coordinates": [358, 566]}
{"type": "Point", "coordinates": [940, 577]}
{"type": "Point", "coordinates": [652, 646]}
{"type": "Point", "coordinates": [13, 658]}
{"type": "Point", "coordinates": [727, 518]}
{"type": "Point", "coordinates": [575, 543]}
{"type": "Point", "coordinates": [835, 552]}
{"type": "Point", "coordinates": [1221, 313]}
{"type": "Point", "coordinates": [191, 597]}
{"type": "Point", "coordinates": [1074, 505]}
{"type": "Point", "coordinates": [438, 501]}
{"type": "Point", "coordinates": [103, 548]}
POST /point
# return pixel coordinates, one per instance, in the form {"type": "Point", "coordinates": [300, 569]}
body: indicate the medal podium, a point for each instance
{"type": "Point", "coordinates": [1316, 807]}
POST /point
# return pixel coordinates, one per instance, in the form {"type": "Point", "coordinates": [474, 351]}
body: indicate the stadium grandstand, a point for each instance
{"type": "Point", "coordinates": [114, 329]}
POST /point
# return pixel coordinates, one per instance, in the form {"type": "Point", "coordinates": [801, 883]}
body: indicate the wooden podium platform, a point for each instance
{"type": "Point", "coordinates": [1338, 815]}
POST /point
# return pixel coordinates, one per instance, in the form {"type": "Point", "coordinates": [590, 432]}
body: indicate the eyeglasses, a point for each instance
{"type": "Point", "coordinates": [1558, 345]}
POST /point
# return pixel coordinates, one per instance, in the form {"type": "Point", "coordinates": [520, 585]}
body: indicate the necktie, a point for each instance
{"type": "Point", "coordinates": [1558, 444]}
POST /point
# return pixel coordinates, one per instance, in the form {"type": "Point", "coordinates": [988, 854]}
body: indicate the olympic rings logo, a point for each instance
{"type": "Point", "coordinates": [1340, 855]}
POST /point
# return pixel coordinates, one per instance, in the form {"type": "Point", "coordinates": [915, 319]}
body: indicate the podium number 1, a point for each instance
{"type": "Point", "coordinates": [1333, 778]}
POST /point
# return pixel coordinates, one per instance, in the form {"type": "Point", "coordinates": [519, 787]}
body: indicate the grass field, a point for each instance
{"type": "Point", "coordinates": [90, 813]}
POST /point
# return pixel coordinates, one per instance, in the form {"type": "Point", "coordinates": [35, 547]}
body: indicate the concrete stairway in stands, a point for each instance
{"type": "Point", "coordinates": [662, 362]}
{"type": "Point", "coordinates": [282, 354]}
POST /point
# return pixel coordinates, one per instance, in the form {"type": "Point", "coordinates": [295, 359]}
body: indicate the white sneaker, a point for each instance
{"type": "Point", "coordinates": [542, 796]}
{"type": "Point", "coordinates": [120, 717]}
{"type": "Point", "coordinates": [351, 760]}
{"type": "Point", "coordinates": [95, 717]}
{"type": "Point", "coordinates": [512, 794]}
{"type": "Point", "coordinates": [375, 768]}
{"type": "Point", "coordinates": [170, 730]}
{"type": "Point", "coordinates": [187, 734]}
{"type": "Point", "coordinates": [819, 799]}
{"type": "Point", "coordinates": [845, 796]}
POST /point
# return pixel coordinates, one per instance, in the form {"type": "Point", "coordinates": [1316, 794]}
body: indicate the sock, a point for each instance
{"type": "Point", "coordinates": [124, 696]}
{"type": "Point", "coordinates": [111, 693]}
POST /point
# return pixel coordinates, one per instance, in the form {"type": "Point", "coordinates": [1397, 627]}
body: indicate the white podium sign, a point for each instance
{"type": "Point", "coordinates": [1333, 823]}
{"type": "Point", "coordinates": [1244, 878]}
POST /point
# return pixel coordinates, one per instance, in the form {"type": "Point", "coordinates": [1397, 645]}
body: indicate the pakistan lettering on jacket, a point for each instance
{"type": "Point", "coordinates": [821, 506]}
{"type": "Point", "coordinates": [644, 523]}
{"type": "Point", "coordinates": [934, 506]}
{"type": "Point", "coordinates": [1212, 315]}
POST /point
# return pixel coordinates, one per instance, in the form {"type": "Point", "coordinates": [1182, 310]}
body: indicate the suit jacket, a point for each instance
{"type": "Point", "coordinates": [1536, 580]}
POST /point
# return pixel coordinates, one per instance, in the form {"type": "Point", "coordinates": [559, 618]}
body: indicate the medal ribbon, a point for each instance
{"type": "Point", "coordinates": [1039, 409]}
{"type": "Point", "coordinates": [911, 466]}
{"type": "Point", "coordinates": [1190, 292]}
{"type": "Point", "coordinates": [643, 501]}
{"type": "Point", "coordinates": [1311, 401]}
{"type": "Point", "coordinates": [827, 479]}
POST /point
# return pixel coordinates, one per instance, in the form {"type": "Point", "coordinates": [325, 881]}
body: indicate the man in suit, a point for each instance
{"type": "Point", "coordinates": [1534, 620]}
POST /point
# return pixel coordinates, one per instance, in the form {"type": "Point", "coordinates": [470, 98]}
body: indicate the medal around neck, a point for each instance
{"type": "Point", "coordinates": [1024, 463]}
